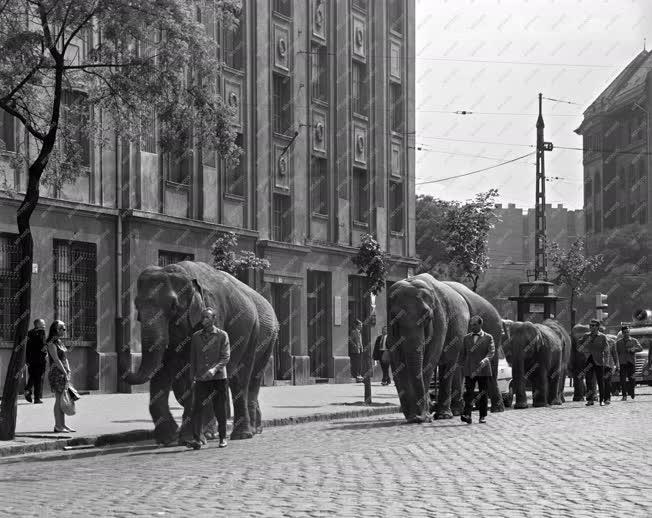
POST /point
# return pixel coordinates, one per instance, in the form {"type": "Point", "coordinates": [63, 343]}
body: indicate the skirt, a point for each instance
{"type": "Point", "coordinates": [57, 379]}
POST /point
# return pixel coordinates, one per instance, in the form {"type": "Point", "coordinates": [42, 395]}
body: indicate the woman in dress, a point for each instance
{"type": "Point", "coordinates": [59, 374]}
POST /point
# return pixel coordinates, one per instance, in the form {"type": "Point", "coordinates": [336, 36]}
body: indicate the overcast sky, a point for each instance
{"type": "Point", "coordinates": [566, 49]}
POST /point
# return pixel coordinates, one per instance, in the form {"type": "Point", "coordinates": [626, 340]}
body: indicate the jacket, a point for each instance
{"type": "Point", "coordinates": [36, 352]}
{"type": "Point", "coordinates": [474, 353]}
{"type": "Point", "coordinates": [627, 350]}
{"type": "Point", "coordinates": [596, 348]}
{"type": "Point", "coordinates": [378, 352]}
{"type": "Point", "coordinates": [209, 349]}
{"type": "Point", "coordinates": [355, 342]}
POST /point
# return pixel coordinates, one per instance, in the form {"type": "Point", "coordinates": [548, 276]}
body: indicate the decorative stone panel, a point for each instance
{"type": "Point", "coordinates": [319, 19]}
{"type": "Point", "coordinates": [281, 167]}
{"type": "Point", "coordinates": [319, 131]}
{"type": "Point", "coordinates": [395, 59]}
{"type": "Point", "coordinates": [396, 159]}
{"type": "Point", "coordinates": [233, 97]}
{"type": "Point", "coordinates": [360, 143]}
{"type": "Point", "coordinates": [281, 47]}
{"type": "Point", "coordinates": [359, 37]}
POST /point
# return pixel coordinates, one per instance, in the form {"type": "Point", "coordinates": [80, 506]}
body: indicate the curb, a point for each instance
{"type": "Point", "coordinates": [132, 436]}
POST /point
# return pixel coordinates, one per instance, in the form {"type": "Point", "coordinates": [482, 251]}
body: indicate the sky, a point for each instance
{"type": "Point", "coordinates": [493, 57]}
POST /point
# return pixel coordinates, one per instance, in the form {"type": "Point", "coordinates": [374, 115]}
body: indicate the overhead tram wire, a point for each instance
{"type": "Point", "coordinates": [474, 172]}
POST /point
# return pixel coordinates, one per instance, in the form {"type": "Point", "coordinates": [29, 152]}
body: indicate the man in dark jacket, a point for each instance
{"type": "Point", "coordinates": [627, 347]}
{"type": "Point", "coordinates": [36, 359]}
{"type": "Point", "coordinates": [355, 351]}
{"type": "Point", "coordinates": [477, 351]}
{"type": "Point", "coordinates": [381, 354]}
{"type": "Point", "coordinates": [596, 348]}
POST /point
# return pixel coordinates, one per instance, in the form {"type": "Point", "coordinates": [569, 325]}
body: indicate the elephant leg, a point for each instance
{"type": "Point", "coordinates": [579, 388]}
{"type": "Point", "coordinates": [446, 373]}
{"type": "Point", "coordinates": [540, 388]}
{"type": "Point", "coordinates": [497, 403]}
{"type": "Point", "coordinates": [240, 398]}
{"type": "Point", "coordinates": [404, 387]}
{"type": "Point", "coordinates": [255, 417]}
{"type": "Point", "coordinates": [556, 387]}
{"type": "Point", "coordinates": [457, 391]}
{"type": "Point", "coordinates": [165, 427]}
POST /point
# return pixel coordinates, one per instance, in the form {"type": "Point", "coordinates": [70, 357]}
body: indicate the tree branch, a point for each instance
{"type": "Point", "coordinates": [81, 26]}
{"type": "Point", "coordinates": [23, 81]}
{"type": "Point", "coordinates": [37, 134]}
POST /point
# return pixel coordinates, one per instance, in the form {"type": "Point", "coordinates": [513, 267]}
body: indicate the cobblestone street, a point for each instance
{"type": "Point", "coordinates": [568, 460]}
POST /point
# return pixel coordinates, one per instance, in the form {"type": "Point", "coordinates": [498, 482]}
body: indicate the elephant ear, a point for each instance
{"type": "Point", "coordinates": [196, 304]}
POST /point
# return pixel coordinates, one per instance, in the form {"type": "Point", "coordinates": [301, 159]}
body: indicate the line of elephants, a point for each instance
{"type": "Point", "coordinates": [427, 320]}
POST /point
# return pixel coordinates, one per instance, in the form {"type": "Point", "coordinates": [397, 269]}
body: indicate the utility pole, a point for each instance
{"type": "Point", "coordinates": [540, 266]}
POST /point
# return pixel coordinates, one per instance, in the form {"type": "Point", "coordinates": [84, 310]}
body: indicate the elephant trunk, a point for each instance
{"type": "Point", "coordinates": [154, 335]}
{"type": "Point", "coordinates": [411, 385]}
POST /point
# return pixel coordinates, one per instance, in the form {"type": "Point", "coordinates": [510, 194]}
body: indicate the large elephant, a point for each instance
{"type": "Point", "coordinates": [428, 319]}
{"type": "Point", "coordinates": [539, 352]}
{"type": "Point", "coordinates": [169, 304]}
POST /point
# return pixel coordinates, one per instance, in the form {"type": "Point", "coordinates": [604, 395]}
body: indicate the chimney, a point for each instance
{"type": "Point", "coordinates": [560, 205]}
{"type": "Point", "coordinates": [511, 205]}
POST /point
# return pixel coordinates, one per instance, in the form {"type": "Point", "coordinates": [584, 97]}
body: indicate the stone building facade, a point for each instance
{"type": "Point", "coordinates": [324, 91]}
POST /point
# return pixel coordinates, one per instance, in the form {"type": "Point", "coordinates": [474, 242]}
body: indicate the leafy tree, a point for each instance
{"type": "Point", "coordinates": [226, 259]}
{"type": "Point", "coordinates": [147, 62]}
{"type": "Point", "coordinates": [573, 267]}
{"type": "Point", "coordinates": [429, 230]}
{"type": "Point", "coordinates": [466, 229]}
{"type": "Point", "coordinates": [372, 261]}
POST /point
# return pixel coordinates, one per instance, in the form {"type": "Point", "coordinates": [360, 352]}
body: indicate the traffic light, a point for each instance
{"type": "Point", "coordinates": [600, 306]}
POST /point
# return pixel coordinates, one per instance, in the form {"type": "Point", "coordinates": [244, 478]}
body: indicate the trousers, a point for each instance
{"type": "Point", "coordinates": [601, 375]}
{"type": "Point", "coordinates": [356, 367]}
{"type": "Point", "coordinates": [213, 392]}
{"type": "Point", "coordinates": [469, 390]}
{"type": "Point", "coordinates": [35, 381]}
{"type": "Point", "coordinates": [627, 381]}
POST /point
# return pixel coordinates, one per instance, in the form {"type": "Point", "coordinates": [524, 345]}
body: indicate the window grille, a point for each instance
{"type": "Point", "coordinates": [319, 72]}
{"type": "Point", "coordinates": [75, 288]}
{"type": "Point", "coordinates": [396, 100]}
{"type": "Point", "coordinates": [7, 132]}
{"type": "Point", "coordinates": [283, 7]}
{"type": "Point", "coordinates": [360, 90]}
{"type": "Point", "coordinates": [282, 115]}
{"type": "Point", "coordinates": [282, 217]}
{"type": "Point", "coordinates": [9, 285]}
{"type": "Point", "coordinates": [165, 257]}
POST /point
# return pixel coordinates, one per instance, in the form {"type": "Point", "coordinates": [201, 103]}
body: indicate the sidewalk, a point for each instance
{"type": "Point", "coordinates": [113, 418]}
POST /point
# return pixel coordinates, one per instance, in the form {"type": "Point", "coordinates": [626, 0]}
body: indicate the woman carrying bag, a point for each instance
{"type": "Point", "coordinates": [59, 375]}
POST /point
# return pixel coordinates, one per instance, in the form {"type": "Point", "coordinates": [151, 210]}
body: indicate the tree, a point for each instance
{"type": "Point", "coordinates": [466, 229]}
{"type": "Point", "coordinates": [372, 261]}
{"type": "Point", "coordinates": [429, 231]}
{"type": "Point", "coordinates": [226, 259]}
{"type": "Point", "coordinates": [573, 267]}
{"type": "Point", "coordinates": [148, 64]}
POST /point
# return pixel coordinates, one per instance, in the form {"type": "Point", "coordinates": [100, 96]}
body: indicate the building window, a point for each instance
{"type": "Point", "coordinates": [283, 7]}
{"type": "Point", "coordinates": [396, 100]}
{"type": "Point", "coordinates": [149, 137]}
{"type": "Point", "coordinates": [235, 174]}
{"type": "Point", "coordinates": [396, 206]}
{"type": "Point", "coordinates": [361, 4]}
{"type": "Point", "coordinates": [75, 117]}
{"type": "Point", "coordinates": [165, 257]}
{"type": "Point", "coordinates": [319, 186]}
{"type": "Point", "coordinates": [75, 288]}
{"type": "Point", "coordinates": [7, 132]}
{"type": "Point", "coordinates": [281, 217]}
{"type": "Point", "coordinates": [360, 89]}
{"type": "Point", "coordinates": [396, 8]}
{"type": "Point", "coordinates": [360, 196]}
{"type": "Point", "coordinates": [319, 72]}
{"type": "Point", "coordinates": [9, 286]}
{"type": "Point", "coordinates": [233, 47]}
{"type": "Point", "coordinates": [178, 167]}
{"type": "Point", "coordinates": [282, 116]}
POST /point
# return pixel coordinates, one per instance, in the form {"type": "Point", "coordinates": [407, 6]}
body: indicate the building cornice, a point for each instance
{"type": "Point", "coordinates": [156, 218]}
{"type": "Point", "coordinates": [59, 206]}
{"type": "Point", "coordinates": [263, 244]}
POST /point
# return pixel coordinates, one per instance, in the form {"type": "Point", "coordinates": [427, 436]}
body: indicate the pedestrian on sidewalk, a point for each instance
{"type": "Point", "coordinates": [59, 373]}
{"type": "Point", "coordinates": [355, 351]}
{"type": "Point", "coordinates": [595, 345]}
{"type": "Point", "coordinates": [477, 351]}
{"type": "Point", "coordinates": [36, 356]}
{"type": "Point", "coordinates": [612, 365]}
{"type": "Point", "coordinates": [381, 354]}
{"type": "Point", "coordinates": [210, 352]}
{"type": "Point", "coordinates": [627, 347]}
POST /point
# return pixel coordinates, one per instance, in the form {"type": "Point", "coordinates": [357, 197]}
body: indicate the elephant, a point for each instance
{"type": "Point", "coordinates": [543, 350]}
{"type": "Point", "coordinates": [427, 321]}
{"type": "Point", "coordinates": [169, 303]}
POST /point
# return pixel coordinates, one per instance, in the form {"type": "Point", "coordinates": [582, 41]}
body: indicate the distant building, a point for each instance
{"type": "Point", "coordinates": [511, 242]}
{"type": "Point", "coordinates": [616, 131]}
{"type": "Point", "coordinates": [327, 125]}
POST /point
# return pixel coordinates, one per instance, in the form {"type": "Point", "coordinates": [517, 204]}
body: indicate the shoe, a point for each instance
{"type": "Point", "coordinates": [589, 403]}
{"type": "Point", "coordinates": [210, 436]}
{"type": "Point", "coordinates": [624, 398]}
{"type": "Point", "coordinates": [601, 403]}
{"type": "Point", "coordinates": [59, 431]}
{"type": "Point", "coordinates": [607, 402]}
{"type": "Point", "coordinates": [69, 429]}
{"type": "Point", "coordinates": [359, 379]}
{"type": "Point", "coordinates": [483, 420]}
{"type": "Point", "coordinates": [38, 402]}
{"type": "Point", "coordinates": [28, 395]}
{"type": "Point", "coordinates": [195, 445]}
{"type": "Point", "coordinates": [466, 419]}
{"type": "Point", "coordinates": [222, 443]}
{"type": "Point", "coordinates": [632, 396]}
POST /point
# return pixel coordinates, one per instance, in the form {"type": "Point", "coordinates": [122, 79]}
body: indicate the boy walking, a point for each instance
{"type": "Point", "coordinates": [209, 354]}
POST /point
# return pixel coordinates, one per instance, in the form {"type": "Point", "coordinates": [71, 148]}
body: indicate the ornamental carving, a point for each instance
{"type": "Point", "coordinates": [233, 100]}
{"type": "Point", "coordinates": [282, 47]}
{"type": "Point", "coordinates": [360, 144]}
{"type": "Point", "coordinates": [359, 37]}
{"type": "Point", "coordinates": [319, 15]}
{"type": "Point", "coordinates": [319, 132]}
{"type": "Point", "coordinates": [282, 166]}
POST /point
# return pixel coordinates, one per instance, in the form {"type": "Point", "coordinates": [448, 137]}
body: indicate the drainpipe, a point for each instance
{"type": "Point", "coordinates": [121, 356]}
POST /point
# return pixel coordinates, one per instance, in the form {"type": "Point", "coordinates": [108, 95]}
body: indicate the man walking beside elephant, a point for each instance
{"type": "Point", "coordinates": [594, 344]}
{"type": "Point", "coordinates": [627, 347]}
{"type": "Point", "coordinates": [209, 354]}
{"type": "Point", "coordinates": [477, 351]}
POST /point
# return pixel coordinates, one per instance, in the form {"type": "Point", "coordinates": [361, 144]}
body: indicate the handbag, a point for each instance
{"type": "Point", "coordinates": [74, 395]}
{"type": "Point", "coordinates": [67, 403]}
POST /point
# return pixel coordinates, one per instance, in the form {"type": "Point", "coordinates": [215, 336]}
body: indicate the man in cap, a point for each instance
{"type": "Point", "coordinates": [627, 347]}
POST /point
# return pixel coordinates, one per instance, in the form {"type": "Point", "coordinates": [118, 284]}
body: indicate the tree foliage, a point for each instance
{"type": "Point", "coordinates": [372, 261]}
{"type": "Point", "coordinates": [226, 258]}
{"type": "Point", "coordinates": [431, 246]}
